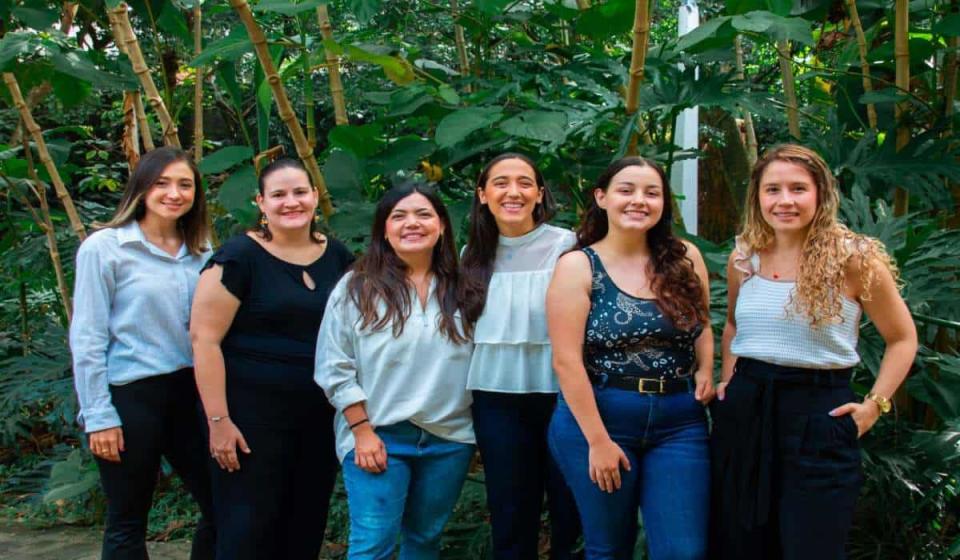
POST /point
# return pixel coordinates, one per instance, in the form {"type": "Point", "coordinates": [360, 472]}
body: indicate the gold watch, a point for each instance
{"type": "Point", "coordinates": [883, 403]}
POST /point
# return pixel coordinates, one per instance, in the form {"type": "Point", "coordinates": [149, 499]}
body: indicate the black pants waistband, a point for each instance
{"type": "Point", "coordinates": [765, 372]}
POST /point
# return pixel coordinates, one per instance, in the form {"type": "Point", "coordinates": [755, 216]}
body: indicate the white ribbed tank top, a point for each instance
{"type": "Point", "coordinates": [768, 331]}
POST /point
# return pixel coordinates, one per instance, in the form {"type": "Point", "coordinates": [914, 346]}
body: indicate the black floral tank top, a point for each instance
{"type": "Point", "coordinates": [627, 335]}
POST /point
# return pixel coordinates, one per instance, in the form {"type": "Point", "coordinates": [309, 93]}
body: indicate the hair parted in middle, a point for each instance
{"type": "Point", "coordinates": [674, 281]}
{"type": "Point", "coordinates": [380, 275]}
{"type": "Point", "coordinates": [828, 246]}
{"type": "Point", "coordinates": [262, 227]}
{"type": "Point", "coordinates": [481, 249]}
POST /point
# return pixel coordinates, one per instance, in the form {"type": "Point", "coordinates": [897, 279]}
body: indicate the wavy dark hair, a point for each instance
{"type": "Point", "coordinates": [674, 281]}
{"type": "Point", "coordinates": [283, 163]}
{"type": "Point", "coordinates": [380, 275]}
{"type": "Point", "coordinates": [477, 266]}
{"type": "Point", "coordinates": [194, 225]}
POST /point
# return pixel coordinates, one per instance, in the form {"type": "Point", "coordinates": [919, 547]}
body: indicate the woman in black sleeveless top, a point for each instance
{"type": "Point", "coordinates": [633, 351]}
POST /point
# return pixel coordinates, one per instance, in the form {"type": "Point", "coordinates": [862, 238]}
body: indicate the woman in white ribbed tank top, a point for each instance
{"type": "Point", "coordinates": [785, 452]}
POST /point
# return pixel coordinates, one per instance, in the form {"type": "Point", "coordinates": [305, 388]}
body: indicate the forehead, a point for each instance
{"type": "Point", "coordinates": [286, 177]}
{"type": "Point", "coordinates": [177, 170]}
{"type": "Point", "coordinates": [412, 202]}
{"type": "Point", "coordinates": [512, 167]}
{"type": "Point", "coordinates": [786, 171]}
{"type": "Point", "coordinates": [644, 176]}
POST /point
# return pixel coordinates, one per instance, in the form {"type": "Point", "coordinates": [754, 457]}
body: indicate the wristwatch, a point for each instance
{"type": "Point", "coordinates": [883, 403]}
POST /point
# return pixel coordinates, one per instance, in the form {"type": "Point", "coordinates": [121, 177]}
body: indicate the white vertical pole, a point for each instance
{"type": "Point", "coordinates": [683, 175]}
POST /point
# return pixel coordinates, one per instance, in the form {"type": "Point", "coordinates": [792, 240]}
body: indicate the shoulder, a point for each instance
{"type": "Point", "coordinates": [338, 249]}
{"type": "Point", "coordinates": [237, 246]}
{"type": "Point", "coordinates": [575, 264]}
{"type": "Point", "coordinates": [564, 238]}
{"type": "Point", "coordinates": [692, 250]}
{"type": "Point", "coordinates": [105, 238]}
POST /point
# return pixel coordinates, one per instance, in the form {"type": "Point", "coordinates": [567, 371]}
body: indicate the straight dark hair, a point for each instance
{"type": "Point", "coordinates": [674, 281]}
{"type": "Point", "coordinates": [283, 163]}
{"type": "Point", "coordinates": [194, 226]}
{"type": "Point", "coordinates": [381, 276]}
{"type": "Point", "coordinates": [481, 249]}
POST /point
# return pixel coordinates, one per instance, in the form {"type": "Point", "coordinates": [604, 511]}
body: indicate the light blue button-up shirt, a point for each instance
{"type": "Point", "coordinates": [131, 316]}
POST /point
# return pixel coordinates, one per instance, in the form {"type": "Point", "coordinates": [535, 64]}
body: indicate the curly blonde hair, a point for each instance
{"type": "Point", "coordinates": [829, 244]}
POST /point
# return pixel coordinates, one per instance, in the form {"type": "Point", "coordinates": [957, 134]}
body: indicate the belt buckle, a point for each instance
{"type": "Point", "coordinates": [658, 391]}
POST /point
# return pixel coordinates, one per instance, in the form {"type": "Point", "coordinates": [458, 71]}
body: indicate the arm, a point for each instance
{"type": "Point", "coordinates": [704, 343]}
{"type": "Point", "coordinates": [336, 372]}
{"type": "Point", "coordinates": [214, 309]}
{"type": "Point", "coordinates": [729, 328]}
{"type": "Point", "coordinates": [892, 318]}
{"type": "Point", "coordinates": [89, 339]}
{"type": "Point", "coordinates": [568, 305]}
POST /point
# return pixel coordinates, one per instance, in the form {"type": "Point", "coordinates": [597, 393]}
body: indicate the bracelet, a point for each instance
{"type": "Point", "coordinates": [359, 423]}
{"type": "Point", "coordinates": [216, 419]}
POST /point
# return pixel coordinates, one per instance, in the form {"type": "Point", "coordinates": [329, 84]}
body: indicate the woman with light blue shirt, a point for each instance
{"type": "Point", "coordinates": [132, 360]}
{"type": "Point", "coordinates": [507, 266]}
{"type": "Point", "coordinates": [392, 357]}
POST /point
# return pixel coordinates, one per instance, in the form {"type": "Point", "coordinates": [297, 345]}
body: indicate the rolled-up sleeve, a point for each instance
{"type": "Point", "coordinates": [90, 336]}
{"type": "Point", "coordinates": [335, 363]}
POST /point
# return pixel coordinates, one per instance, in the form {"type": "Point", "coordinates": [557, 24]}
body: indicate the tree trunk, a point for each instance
{"type": "Point", "coordinates": [283, 103]}
{"type": "Point", "coordinates": [789, 87]}
{"type": "Point", "coordinates": [638, 58]}
{"type": "Point", "coordinates": [460, 40]}
{"type": "Point", "coordinates": [197, 87]}
{"type": "Point", "coordinates": [140, 68]}
{"type": "Point", "coordinates": [35, 133]}
{"type": "Point", "coordinates": [141, 116]}
{"type": "Point", "coordinates": [333, 69]}
{"type": "Point", "coordinates": [67, 16]}
{"type": "Point", "coordinates": [749, 131]}
{"type": "Point", "coordinates": [901, 54]}
{"type": "Point", "coordinates": [130, 142]}
{"type": "Point", "coordinates": [864, 64]}
{"type": "Point", "coordinates": [144, 127]}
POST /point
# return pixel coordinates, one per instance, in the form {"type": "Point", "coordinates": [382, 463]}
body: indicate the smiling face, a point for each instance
{"type": "Point", "coordinates": [633, 199]}
{"type": "Point", "coordinates": [171, 195]}
{"type": "Point", "coordinates": [511, 193]}
{"type": "Point", "coordinates": [787, 196]}
{"type": "Point", "coordinates": [413, 226]}
{"type": "Point", "coordinates": [288, 201]}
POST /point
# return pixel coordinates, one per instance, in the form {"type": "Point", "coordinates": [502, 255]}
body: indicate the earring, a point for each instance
{"type": "Point", "coordinates": [263, 221]}
{"type": "Point", "coordinates": [316, 219]}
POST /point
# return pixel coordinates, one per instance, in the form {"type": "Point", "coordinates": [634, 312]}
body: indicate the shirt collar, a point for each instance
{"type": "Point", "coordinates": [131, 233]}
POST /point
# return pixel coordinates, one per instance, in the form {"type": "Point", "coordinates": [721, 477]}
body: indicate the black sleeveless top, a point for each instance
{"type": "Point", "coordinates": [627, 335]}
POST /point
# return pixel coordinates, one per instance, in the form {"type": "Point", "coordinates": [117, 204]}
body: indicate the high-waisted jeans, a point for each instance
{"type": "Point", "coordinates": [786, 474]}
{"type": "Point", "coordinates": [665, 439]}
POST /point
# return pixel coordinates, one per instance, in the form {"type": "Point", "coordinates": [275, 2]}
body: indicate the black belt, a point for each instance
{"type": "Point", "coordinates": [648, 385]}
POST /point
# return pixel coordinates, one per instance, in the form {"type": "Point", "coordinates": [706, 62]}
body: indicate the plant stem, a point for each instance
{"type": "Point", "coordinates": [197, 87]}
{"type": "Point", "coordinates": [864, 64]}
{"type": "Point", "coordinates": [333, 68]}
{"type": "Point", "coordinates": [789, 87]}
{"type": "Point", "coordinates": [901, 55]}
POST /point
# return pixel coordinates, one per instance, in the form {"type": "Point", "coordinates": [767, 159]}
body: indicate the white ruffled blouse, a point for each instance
{"type": "Point", "coordinates": [512, 349]}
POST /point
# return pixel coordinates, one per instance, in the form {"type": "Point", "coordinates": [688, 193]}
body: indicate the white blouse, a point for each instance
{"type": "Point", "coordinates": [419, 376]}
{"type": "Point", "coordinates": [512, 351]}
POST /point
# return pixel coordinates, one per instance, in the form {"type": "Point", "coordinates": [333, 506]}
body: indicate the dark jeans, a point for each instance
{"type": "Point", "coordinates": [786, 474]}
{"type": "Point", "coordinates": [160, 417]}
{"type": "Point", "coordinates": [275, 507]}
{"type": "Point", "coordinates": [665, 439]}
{"type": "Point", "coordinates": [511, 432]}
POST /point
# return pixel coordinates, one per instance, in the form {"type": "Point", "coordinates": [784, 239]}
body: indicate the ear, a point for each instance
{"type": "Point", "coordinates": [600, 197]}
{"type": "Point", "coordinates": [540, 194]}
{"type": "Point", "coordinates": [481, 195]}
{"type": "Point", "coordinates": [259, 200]}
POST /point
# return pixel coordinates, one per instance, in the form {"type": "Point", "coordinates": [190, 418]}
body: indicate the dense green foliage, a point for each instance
{"type": "Point", "coordinates": [548, 78]}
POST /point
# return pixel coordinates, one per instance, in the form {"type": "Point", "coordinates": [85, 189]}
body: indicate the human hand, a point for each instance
{"type": "Point", "coordinates": [864, 415]}
{"type": "Point", "coordinates": [225, 438]}
{"type": "Point", "coordinates": [107, 444]}
{"type": "Point", "coordinates": [705, 392]}
{"type": "Point", "coordinates": [370, 454]}
{"type": "Point", "coordinates": [605, 460]}
{"type": "Point", "coordinates": [722, 389]}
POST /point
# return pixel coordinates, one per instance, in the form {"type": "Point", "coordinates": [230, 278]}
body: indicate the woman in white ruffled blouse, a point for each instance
{"type": "Point", "coordinates": [507, 266]}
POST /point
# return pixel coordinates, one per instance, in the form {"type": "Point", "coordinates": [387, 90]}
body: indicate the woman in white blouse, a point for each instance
{"type": "Point", "coordinates": [132, 361]}
{"type": "Point", "coordinates": [392, 357]}
{"type": "Point", "coordinates": [507, 266]}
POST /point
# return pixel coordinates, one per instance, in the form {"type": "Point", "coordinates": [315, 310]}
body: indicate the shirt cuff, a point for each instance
{"type": "Point", "coordinates": [100, 419]}
{"type": "Point", "coordinates": [348, 396]}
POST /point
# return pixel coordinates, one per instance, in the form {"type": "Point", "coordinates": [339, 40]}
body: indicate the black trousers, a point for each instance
{"type": "Point", "coordinates": [786, 475]}
{"type": "Point", "coordinates": [511, 431]}
{"type": "Point", "coordinates": [275, 507]}
{"type": "Point", "coordinates": [160, 417]}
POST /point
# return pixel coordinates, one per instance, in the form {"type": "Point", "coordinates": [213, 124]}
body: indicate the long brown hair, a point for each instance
{"type": "Point", "coordinates": [194, 226]}
{"type": "Point", "coordinates": [380, 276]}
{"type": "Point", "coordinates": [477, 265]}
{"type": "Point", "coordinates": [283, 163]}
{"type": "Point", "coordinates": [674, 281]}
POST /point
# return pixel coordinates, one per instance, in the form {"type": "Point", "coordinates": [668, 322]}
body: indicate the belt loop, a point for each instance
{"type": "Point", "coordinates": [603, 377]}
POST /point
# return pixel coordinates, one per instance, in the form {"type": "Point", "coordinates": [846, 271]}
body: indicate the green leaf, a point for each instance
{"type": "Point", "coordinates": [77, 65]}
{"type": "Point", "coordinates": [69, 90]}
{"type": "Point", "coordinates": [225, 158]}
{"type": "Point", "coordinates": [949, 26]}
{"type": "Point", "coordinates": [603, 20]}
{"type": "Point", "coordinates": [171, 22]}
{"type": "Point", "coordinates": [714, 33]}
{"type": "Point", "coordinates": [36, 19]}
{"type": "Point", "coordinates": [362, 141]}
{"type": "Point", "coordinates": [403, 154]}
{"type": "Point", "coordinates": [231, 47]}
{"type": "Point", "coordinates": [456, 126]}
{"type": "Point", "coordinates": [778, 7]}
{"type": "Point", "coordinates": [774, 26]}
{"type": "Point", "coordinates": [364, 10]}
{"type": "Point", "coordinates": [14, 44]}
{"type": "Point", "coordinates": [886, 95]}
{"type": "Point", "coordinates": [448, 94]}
{"type": "Point", "coordinates": [491, 7]}
{"type": "Point", "coordinates": [286, 7]}
{"type": "Point", "coordinates": [546, 126]}
{"type": "Point", "coordinates": [407, 100]}
{"type": "Point", "coordinates": [352, 222]}
{"type": "Point", "coordinates": [236, 194]}
{"type": "Point", "coordinates": [344, 176]}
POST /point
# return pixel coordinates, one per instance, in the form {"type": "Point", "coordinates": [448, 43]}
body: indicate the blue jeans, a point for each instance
{"type": "Point", "coordinates": [413, 498]}
{"type": "Point", "coordinates": [665, 439]}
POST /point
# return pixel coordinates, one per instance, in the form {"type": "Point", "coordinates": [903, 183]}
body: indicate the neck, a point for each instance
{"type": "Point", "coordinates": [418, 265]}
{"type": "Point", "coordinates": [516, 230]}
{"type": "Point", "coordinates": [159, 228]}
{"type": "Point", "coordinates": [789, 241]}
{"type": "Point", "coordinates": [622, 243]}
{"type": "Point", "coordinates": [291, 237]}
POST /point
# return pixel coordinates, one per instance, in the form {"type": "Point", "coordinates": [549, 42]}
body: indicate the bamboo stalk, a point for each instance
{"type": "Point", "coordinates": [283, 103]}
{"type": "Point", "coordinates": [789, 87]}
{"type": "Point", "coordinates": [35, 133]}
{"type": "Point", "coordinates": [901, 55]}
{"type": "Point", "coordinates": [309, 104]}
{"type": "Point", "coordinates": [751, 132]}
{"type": "Point", "coordinates": [68, 15]}
{"type": "Point", "coordinates": [864, 64]}
{"type": "Point", "coordinates": [144, 127]}
{"type": "Point", "coordinates": [459, 39]}
{"type": "Point", "coordinates": [333, 68]}
{"type": "Point", "coordinates": [641, 32]}
{"type": "Point", "coordinates": [25, 335]}
{"type": "Point", "coordinates": [583, 4]}
{"type": "Point", "coordinates": [197, 88]}
{"type": "Point", "coordinates": [129, 143]}
{"type": "Point", "coordinates": [140, 68]}
{"type": "Point", "coordinates": [46, 224]}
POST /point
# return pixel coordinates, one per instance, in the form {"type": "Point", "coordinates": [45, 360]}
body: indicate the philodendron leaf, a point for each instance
{"type": "Point", "coordinates": [364, 10]}
{"type": "Point", "coordinates": [344, 176]}
{"type": "Point", "coordinates": [225, 158]}
{"type": "Point", "coordinates": [237, 192]}
{"type": "Point", "coordinates": [286, 7]}
{"type": "Point", "coordinates": [456, 126]}
{"type": "Point", "coordinates": [546, 126]}
{"type": "Point", "coordinates": [362, 141]}
{"type": "Point", "coordinates": [774, 27]}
